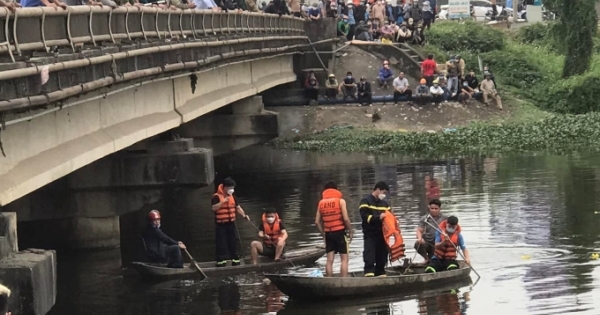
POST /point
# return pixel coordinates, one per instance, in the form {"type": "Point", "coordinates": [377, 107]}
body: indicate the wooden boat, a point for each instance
{"type": "Point", "coordinates": [356, 285]}
{"type": "Point", "coordinates": [297, 257]}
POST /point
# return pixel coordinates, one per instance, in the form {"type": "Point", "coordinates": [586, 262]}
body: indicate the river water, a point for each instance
{"type": "Point", "coordinates": [529, 221]}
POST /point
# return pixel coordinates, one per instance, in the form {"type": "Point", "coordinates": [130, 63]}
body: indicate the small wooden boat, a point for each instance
{"type": "Point", "coordinates": [356, 285]}
{"type": "Point", "coordinates": [297, 257]}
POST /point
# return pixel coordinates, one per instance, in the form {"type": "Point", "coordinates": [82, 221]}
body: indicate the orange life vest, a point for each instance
{"type": "Point", "coordinates": [449, 250]}
{"type": "Point", "coordinates": [448, 304]}
{"type": "Point", "coordinates": [227, 211]}
{"type": "Point", "coordinates": [392, 230]}
{"type": "Point", "coordinates": [274, 231]}
{"type": "Point", "coordinates": [330, 210]}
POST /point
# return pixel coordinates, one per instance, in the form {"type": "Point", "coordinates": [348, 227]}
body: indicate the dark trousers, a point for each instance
{"type": "Point", "coordinates": [331, 93]}
{"type": "Point", "coordinates": [365, 98]}
{"type": "Point", "coordinates": [427, 23]}
{"type": "Point", "coordinates": [227, 242]}
{"type": "Point", "coordinates": [312, 94]}
{"type": "Point", "coordinates": [174, 258]}
{"type": "Point", "coordinates": [426, 249]}
{"type": "Point", "coordinates": [437, 265]}
{"type": "Point", "coordinates": [375, 254]}
{"type": "Point", "coordinates": [351, 32]}
{"type": "Point", "coordinates": [429, 80]}
{"type": "Point", "coordinates": [423, 99]}
{"type": "Point", "coordinates": [407, 93]}
{"type": "Point", "coordinates": [437, 99]}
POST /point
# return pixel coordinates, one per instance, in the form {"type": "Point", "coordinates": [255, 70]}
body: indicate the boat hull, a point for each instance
{"type": "Point", "coordinates": [298, 257]}
{"type": "Point", "coordinates": [305, 287]}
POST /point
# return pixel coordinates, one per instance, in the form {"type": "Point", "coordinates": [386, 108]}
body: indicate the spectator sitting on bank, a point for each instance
{"type": "Point", "coordinates": [411, 25]}
{"type": "Point", "coordinates": [466, 93]}
{"type": "Point", "coordinates": [348, 86]}
{"type": "Point", "coordinates": [363, 32]}
{"type": "Point", "coordinates": [437, 93]}
{"type": "Point", "coordinates": [444, 86]}
{"type": "Point", "coordinates": [365, 94]}
{"type": "Point", "coordinates": [312, 88]}
{"type": "Point", "coordinates": [472, 80]}
{"type": "Point", "coordinates": [489, 90]}
{"type": "Point", "coordinates": [12, 6]}
{"type": "Point", "coordinates": [387, 30]}
{"type": "Point", "coordinates": [404, 34]}
{"type": "Point", "coordinates": [375, 29]}
{"type": "Point", "coordinates": [385, 75]}
{"type": "Point", "coordinates": [486, 69]}
{"type": "Point", "coordinates": [423, 94]}
{"type": "Point", "coordinates": [331, 87]}
{"type": "Point", "coordinates": [4, 295]}
{"type": "Point", "coordinates": [418, 37]}
{"type": "Point", "coordinates": [401, 88]}
{"type": "Point", "coordinates": [42, 3]}
{"type": "Point", "coordinates": [314, 13]}
{"type": "Point", "coordinates": [343, 28]}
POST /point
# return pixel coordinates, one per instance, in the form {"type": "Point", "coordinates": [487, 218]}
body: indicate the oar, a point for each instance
{"type": "Point", "coordinates": [195, 264]}
{"type": "Point", "coordinates": [291, 262]}
{"type": "Point", "coordinates": [456, 248]}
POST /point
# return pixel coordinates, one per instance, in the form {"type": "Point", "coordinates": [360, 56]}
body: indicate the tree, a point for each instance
{"type": "Point", "coordinates": [578, 24]}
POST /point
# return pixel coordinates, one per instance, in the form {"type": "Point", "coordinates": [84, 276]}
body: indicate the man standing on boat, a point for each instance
{"type": "Point", "coordinates": [448, 240]}
{"type": "Point", "coordinates": [333, 222]}
{"type": "Point", "coordinates": [273, 234]}
{"type": "Point", "coordinates": [225, 208]}
{"type": "Point", "coordinates": [425, 244]}
{"type": "Point", "coordinates": [159, 247]}
{"type": "Point", "coordinates": [373, 209]}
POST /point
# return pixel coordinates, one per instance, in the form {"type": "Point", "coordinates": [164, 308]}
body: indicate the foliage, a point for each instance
{"type": "Point", "coordinates": [468, 36]}
{"type": "Point", "coordinates": [558, 133]}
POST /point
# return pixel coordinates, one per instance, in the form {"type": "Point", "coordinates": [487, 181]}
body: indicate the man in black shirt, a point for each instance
{"type": "Point", "coordinates": [372, 209]}
{"type": "Point", "coordinates": [159, 247]}
{"type": "Point", "coordinates": [348, 86]}
{"type": "Point", "coordinates": [365, 93]}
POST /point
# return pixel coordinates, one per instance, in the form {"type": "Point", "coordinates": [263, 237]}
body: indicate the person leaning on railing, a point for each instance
{"type": "Point", "coordinates": [11, 5]}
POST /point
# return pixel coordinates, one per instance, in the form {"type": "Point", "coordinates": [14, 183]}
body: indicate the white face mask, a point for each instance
{"type": "Point", "coordinates": [381, 196]}
{"type": "Point", "coordinates": [270, 220]}
{"type": "Point", "coordinates": [230, 191]}
{"type": "Point", "coordinates": [450, 230]}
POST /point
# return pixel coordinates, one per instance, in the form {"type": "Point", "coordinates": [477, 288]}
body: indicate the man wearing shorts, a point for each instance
{"type": "Point", "coordinates": [273, 235]}
{"type": "Point", "coordinates": [333, 222]}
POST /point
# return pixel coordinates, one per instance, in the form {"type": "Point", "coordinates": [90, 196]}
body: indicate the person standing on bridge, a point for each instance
{"type": "Point", "coordinates": [159, 247]}
{"type": "Point", "coordinates": [225, 207]}
{"type": "Point", "coordinates": [373, 208]}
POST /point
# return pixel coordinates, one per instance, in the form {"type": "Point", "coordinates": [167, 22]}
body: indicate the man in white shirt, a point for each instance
{"type": "Point", "coordinates": [401, 89]}
{"type": "Point", "coordinates": [436, 92]}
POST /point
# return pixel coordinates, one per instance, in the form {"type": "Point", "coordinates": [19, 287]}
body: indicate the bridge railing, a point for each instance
{"type": "Point", "coordinates": [31, 29]}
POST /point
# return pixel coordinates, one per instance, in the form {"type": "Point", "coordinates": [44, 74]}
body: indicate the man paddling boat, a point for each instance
{"type": "Point", "coordinates": [273, 234]}
{"type": "Point", "coordinates": [373, 208]}
{"type": "Point", "coordinates": [333, 222]}
{"type": "Point", "coordinates": [159, 247]}
{"type": "Point", "coordinates": [448, 240]}
{"type": "Point", "coordinates": [425, 244]}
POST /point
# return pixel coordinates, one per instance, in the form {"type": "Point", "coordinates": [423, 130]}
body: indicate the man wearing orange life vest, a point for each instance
{"type": "Point", "coordinates": [333, 214]}
{"type": "Point", "coordinates": [274, 236]}
{"type": "Point", "coordinates": [225, 208]}
{"type": "Point", "coordinates": [373, 209]}
{"type": "Point", "coordinates": [446, 245]}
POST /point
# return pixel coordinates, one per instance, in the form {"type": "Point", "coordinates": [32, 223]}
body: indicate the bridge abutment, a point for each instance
{"type": "Point", "coordinates": [240, 125]}
{"type": "Point", "coordinates": [30, 274]}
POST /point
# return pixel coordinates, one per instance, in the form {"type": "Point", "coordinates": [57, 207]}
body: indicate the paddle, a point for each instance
{"type": "Point", "coordinates": [195, 264]}
{"type": "Point", "coordinates": [268, 237]}
{"type": "Point", "coordinates": [456, 248]}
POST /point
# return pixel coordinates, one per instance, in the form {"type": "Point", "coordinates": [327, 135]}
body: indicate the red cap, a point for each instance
{"type": "Point", "coordinates": [154, 215]}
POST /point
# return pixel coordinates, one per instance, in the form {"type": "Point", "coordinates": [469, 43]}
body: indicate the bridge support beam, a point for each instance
{"type": "Point", "coordinates": [242, 124]}
{"type": "Point", "coordinates": [29, 274]}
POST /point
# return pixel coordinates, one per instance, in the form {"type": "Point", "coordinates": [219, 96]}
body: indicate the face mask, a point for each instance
{"type": "Point", "coordinates": [270, 220]}
{"type": "Point", "coordinates": [230, 191]}
{"type": "Point", "coordinates": [345, 21]}
{"type": "Point", "coordinates": [349, 77]}
{"type": "Point", "coordinates": [450, 230]}
{"type": "Point", "coordinates": [381, 196]}
{"type": "Point", "coordinates": [465, 85]}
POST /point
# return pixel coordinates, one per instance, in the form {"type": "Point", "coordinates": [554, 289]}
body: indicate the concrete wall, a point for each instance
{"type": "Point", "coordinates": [44, 149]}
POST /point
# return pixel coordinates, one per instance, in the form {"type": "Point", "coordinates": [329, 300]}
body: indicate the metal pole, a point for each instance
{"type": "Point", "coordinates": [515, 12]}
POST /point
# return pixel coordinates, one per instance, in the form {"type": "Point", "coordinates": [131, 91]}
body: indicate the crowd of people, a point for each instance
{"type": "Point", "coordinates": [439, 83]}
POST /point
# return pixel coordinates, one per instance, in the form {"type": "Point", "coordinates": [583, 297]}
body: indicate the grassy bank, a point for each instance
{"type": "Point", "coordinates": [556, 133]}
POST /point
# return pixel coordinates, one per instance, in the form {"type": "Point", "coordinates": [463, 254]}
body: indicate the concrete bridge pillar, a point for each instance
{"type": "Point", "coordinates": [29, 274]}
{"type": "Point", "coordinates": [243, 123]}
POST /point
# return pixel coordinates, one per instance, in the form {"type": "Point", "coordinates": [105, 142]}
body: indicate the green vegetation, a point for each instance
{"type": "Point", "coordinates": [557, 133]}
{"type": "Point", "coordinates": [527, 64]}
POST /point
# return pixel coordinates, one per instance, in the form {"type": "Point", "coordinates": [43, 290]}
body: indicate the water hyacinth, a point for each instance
{"type": "Point", "coordinates": [559, 133]}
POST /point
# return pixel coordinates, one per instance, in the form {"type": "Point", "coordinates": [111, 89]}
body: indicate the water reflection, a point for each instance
{"type": "Point", "coordinates": [530, 223]}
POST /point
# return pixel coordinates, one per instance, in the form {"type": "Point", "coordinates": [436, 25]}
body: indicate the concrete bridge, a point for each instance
{"type": "Point", "coordinates": [99, 108]}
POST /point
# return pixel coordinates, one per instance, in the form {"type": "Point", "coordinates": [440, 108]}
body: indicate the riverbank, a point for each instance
{"type": "Point", "coordinates": [537, 102]}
